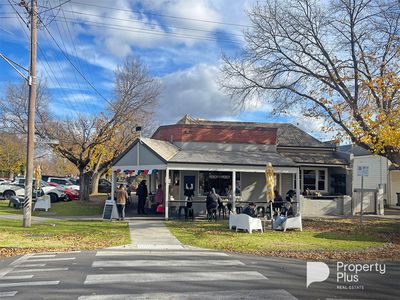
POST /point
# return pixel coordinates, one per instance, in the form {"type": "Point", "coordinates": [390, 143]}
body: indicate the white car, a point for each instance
{"type": "Point", "coordinates": [17, 188]}
{"type": "Point", "coordinates": [64, 182]}
{"type": "Point", "coordinates": [3, 181]}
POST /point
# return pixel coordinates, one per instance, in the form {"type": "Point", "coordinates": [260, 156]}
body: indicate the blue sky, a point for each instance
{"type": "Point", "coordinates": [181, 41]}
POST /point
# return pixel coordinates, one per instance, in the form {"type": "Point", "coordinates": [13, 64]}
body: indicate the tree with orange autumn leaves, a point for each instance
{"type": "Point", "coordinates": [337, 60]}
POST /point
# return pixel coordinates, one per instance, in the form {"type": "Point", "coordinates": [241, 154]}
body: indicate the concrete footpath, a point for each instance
{"type": "Point", "coordinates": [151, 235]}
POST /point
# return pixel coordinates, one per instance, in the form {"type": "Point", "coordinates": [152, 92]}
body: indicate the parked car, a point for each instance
{"type": "Point", "coordinates": [104, 186]}
{"type": "Point", "coordinates": [70, 193]}
{"type": "Point", "coordinates": [56, 194]}
{"type": "Point", "coordinates": [3, 181]}
{"type": "Point", "coordinates": [65, 182]}
{"type": "Point", "coordinates": [8, 190]}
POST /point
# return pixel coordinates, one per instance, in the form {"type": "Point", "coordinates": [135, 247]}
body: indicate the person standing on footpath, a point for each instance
{"type": "Point", "coordinates": [142, 194]}
{"type": "Point", "coordinates": [122, 196]}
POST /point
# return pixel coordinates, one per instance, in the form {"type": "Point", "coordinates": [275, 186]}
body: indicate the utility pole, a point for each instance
{"type": "Point", "coordinates": [31, 115]}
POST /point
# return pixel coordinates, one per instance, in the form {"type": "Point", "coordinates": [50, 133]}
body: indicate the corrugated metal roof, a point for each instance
{"type": "Point", "coordinates": [234, 157]}
{"type": "Point", "coordinates": [353, 149]}
{"type": "Point", "coordinates": [316, 157]}
{"type": "Point", "coordinates": [165, 149]}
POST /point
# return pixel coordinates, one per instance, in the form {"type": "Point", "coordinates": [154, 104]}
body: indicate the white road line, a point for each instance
{"type": "Point", "coordinates": [165, 263]}
{"type": "Point", "coordinates": [220, 295]}
{"type": "Point", "coordinates": [5, 271]}
{"type": "Point", "coordinates": [160, 253]}
{"type": "Point", "coordinates": [43, 255]}
{"type": "Point", "coordinates": [183, 276]}
{"type": "Point", "coordinates": [159, 247]}
{"type": "Point", "coordinates": [29, 283]}
{"type": "Point", "coordinates": [52, 259]}
{"type": "Point", "coordinates": [8, 294]}
{"type": "Point", "coordinates": [21, 259]}
{"type": "Point", "coordinates": [30, 265]}
{"type": "Point", "coordinates": [40, 270]}
{"type": "Point", "coordinates": [17, 277]}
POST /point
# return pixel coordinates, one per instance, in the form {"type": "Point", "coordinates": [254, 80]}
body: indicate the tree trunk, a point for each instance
{"type": "Point", "coordinates": [95, 182]}
{"type": "Point", "coordinates": [84, 184]}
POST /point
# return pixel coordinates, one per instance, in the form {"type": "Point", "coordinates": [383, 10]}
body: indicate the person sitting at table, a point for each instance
{"type": "Point", "coordinates": [212, 203]}
{"type": "Point", "coordinates": [290, 195]}
{"type": "Point", "coordinates": [286, 212]}
{"type": "Point", "coordinates": [250, 210]}
{"type": "Point", "coordinates": [278, 201]}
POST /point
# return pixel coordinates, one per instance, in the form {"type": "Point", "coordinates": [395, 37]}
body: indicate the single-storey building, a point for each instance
{"type": "Point", "coordinates": [231, 157]}
{"type": "Point", "coordinates": [382, 177]}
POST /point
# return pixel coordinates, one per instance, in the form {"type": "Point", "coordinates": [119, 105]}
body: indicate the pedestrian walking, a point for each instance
{"type": "Point", "coordinates": [122, 196]}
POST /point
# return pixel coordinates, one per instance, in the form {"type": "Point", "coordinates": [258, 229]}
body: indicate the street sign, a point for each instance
{"type": "Point", "coordinates": [362, 171]}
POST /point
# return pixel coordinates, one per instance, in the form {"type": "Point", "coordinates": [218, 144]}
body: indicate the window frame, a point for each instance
{"type": "Point", "coordinates": [317, 180]}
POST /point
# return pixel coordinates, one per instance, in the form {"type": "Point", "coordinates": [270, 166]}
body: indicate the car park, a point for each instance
{"type": "Point", "coordinates": [56, 194]}
{"type": "Point", "coordinates": [4, 181]}
{"type": "Point", "coordinates": [104, 186]}
{"type": "Point", "coordinates": [66, 182]}
{"type": "Point", "coordinates": [70, 193]}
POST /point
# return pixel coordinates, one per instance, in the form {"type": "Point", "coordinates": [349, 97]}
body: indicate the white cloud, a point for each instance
{"type": "Point", "coordinates": [193, 91]}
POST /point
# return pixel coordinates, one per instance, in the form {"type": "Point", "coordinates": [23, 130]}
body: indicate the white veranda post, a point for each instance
{"type": "Point", "coordinates": [233, 190]}
{"type": "Point", "coordinates": [298, 189]}
{"type": "Point", "coordinates": [112, 185]}
{"type": "Point", "coordinates": [166, 192]}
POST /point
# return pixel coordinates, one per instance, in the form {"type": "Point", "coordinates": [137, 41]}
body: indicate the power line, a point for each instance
{"type": "Point", "coordinates": [161, 15]}
{"type": "Point", "coordinates": [73, 65]}
{"type": "Point", "coordinates": [53, 78]}
{"type": "Point", "coordinates": [143, 22]}
{"type": "Point", "coordinates": [151, 31]}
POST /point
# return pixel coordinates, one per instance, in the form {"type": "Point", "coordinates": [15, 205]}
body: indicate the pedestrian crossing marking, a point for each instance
{"type": "Point", "coordinates": [160, 253]}
{"type": "Point", "coordinates": [52, 259]}
{"type": "Point", "coordinates": [30, 265]}
{"type": "Point", "coordinates": [40, 270]}
{"type": "Point", "coordinates": [16, 277]}
{"type": "Point", "coordinates": [29, 283]}
{"type": "Point", "coordinates": [272, 294]}
{"type": "Point", "coordinates": [182, 276]}
{"type": "Point", "coordinates": [164, 263]}
{"type": "Point", "coordinates": [8, 294]}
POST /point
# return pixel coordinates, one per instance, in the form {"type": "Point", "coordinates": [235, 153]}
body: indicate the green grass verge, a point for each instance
{"type": "Point", "coordinates": [63, 235]}
{"type": "Point", "coordinates": [58, 209]}
{"type": "Point", "coordinates": [336, 236]}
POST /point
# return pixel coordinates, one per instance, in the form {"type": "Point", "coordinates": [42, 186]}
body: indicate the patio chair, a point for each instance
{"type": "Point", "coordinates": [43, 203]}
{"type": "Point", "coordinates": [221, 210]}
{"type": "Point", "coordinates": [245, 222]}
{"type": "Point", "coordinates": [290, 223]}
{"type": "Point", "coordinates": [212, 214]}
{"type": "Point", "coordinates": [15, 202]}
{"type": "Point", "coordinates": [294, 222]}
{"type": "Point", "coordinates": [232, 220]}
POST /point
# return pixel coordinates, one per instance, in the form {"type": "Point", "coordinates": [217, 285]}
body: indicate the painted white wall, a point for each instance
{"type": "Point", "coordinates": [378, 171]}
{"type": "Point", "coordinates": [394, 186]}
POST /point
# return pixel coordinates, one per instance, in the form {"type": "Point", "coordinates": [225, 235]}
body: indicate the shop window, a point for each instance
{"type": "Point", "coordinates": [220, 181]}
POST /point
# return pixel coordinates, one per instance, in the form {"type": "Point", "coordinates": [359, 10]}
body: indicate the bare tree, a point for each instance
{"type": "Point", "coordinates": [80, 140]}
{"type": "Point", "coordinates": [336, 59]}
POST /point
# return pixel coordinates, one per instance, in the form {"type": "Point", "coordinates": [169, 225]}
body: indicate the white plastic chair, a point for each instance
{"type": "Point", "coordinates": [43, 203]}
{"type": "Point", "coordinates": [245, 222]}
{"type": "Point", "coordinates": [232, 220]}
{"type": "Point", "coordinates": [294, 222]}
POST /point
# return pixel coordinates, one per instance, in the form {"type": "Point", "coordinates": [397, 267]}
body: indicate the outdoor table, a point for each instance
{"type": "Point", "coordinates": [264, 221]}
